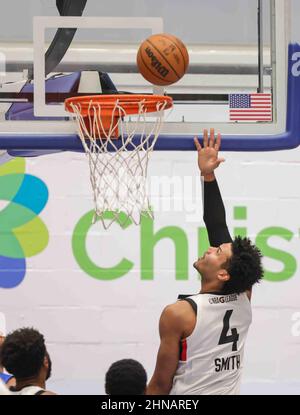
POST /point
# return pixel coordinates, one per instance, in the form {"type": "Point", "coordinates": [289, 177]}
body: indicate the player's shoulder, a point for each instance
{"type": "Point", "coordinates": [178, 308]}
{"type": "Point", "coordinates": [178, 318]}
{"type": "Point", "coordinates": [180, 311]}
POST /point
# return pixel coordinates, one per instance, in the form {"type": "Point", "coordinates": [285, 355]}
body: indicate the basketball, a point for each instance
{"type": "Point", "coordinates": [162, 59]}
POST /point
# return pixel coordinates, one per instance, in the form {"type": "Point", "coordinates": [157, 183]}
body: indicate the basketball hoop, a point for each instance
{"type": "Point", "coordinates": [118, 149]}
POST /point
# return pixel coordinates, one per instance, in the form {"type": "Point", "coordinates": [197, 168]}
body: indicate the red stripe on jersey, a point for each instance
{"type": "Point", "coordinates": [183, 351]}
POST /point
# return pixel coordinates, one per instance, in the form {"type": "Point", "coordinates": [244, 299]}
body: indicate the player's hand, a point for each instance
{"type": "Point", "coordinates": [208, 159]}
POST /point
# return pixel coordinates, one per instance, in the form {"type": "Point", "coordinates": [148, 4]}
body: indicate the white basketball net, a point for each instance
{"type": "Point", "coordinates": [118, 167]}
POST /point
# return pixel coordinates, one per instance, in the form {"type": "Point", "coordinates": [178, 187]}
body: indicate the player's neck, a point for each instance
{"type": "Point", "coordinates": [210, 287]}
{"type": "Point", "coordinates": [34, 381]}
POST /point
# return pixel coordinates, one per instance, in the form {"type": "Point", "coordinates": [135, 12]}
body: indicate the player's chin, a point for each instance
{"type": "Point", "coordinates": [197, 265]}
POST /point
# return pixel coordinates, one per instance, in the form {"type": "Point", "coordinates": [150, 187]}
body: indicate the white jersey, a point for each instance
{"type": "Point", "coordinates": [211, 358]}
{"type": "Point", "coordinates": [3, 388]}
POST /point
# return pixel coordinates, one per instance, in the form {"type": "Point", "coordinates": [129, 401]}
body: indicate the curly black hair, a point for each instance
{"type": "Point", "coordinates": [245, 266]}
{"type": "Point", "coordinates": [126, 377]}
{"type": "Point", "coordinates": [23, 353]}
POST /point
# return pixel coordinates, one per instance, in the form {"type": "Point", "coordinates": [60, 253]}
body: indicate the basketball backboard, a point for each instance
{"type": "Point", "coordinates": [231, 57]}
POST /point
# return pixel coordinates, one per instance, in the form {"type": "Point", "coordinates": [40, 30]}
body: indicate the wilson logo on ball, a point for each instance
{"type": "Point", "coordinates": [162, 59]}
{"type": "Point", "coordinates": [156, 63]}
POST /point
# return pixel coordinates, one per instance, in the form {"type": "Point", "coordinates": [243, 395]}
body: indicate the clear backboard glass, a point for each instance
{"type": "Point", "coordinates": [236, 48]}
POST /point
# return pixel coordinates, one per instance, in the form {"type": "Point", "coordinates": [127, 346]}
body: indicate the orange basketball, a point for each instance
{"type": "Point", "coordinates": [162, 59]}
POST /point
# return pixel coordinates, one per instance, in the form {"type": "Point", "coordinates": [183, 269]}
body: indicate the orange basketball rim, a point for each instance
{"type": "Point", "coordinates": [106, 110]}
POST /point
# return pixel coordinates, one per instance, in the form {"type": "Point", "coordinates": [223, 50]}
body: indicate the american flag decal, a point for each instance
{"type": "Point", "coordinates": [250, 107]}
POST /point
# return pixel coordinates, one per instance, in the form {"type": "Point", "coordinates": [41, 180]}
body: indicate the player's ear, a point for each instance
{"type": "Point", "coordinates": [223, 275]}
{"type": "Point", "coordinates": [46, 361]}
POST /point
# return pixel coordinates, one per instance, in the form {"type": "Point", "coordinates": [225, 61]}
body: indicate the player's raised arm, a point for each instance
{"type": "Point", "coordinates": [214, 211]}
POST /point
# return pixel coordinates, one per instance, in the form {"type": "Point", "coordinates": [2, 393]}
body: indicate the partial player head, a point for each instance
{"type": "Point", "coordinates": [126, 377]}
{"type": "Point", "coordinates": [24, 354]}
{"type": "Point", "coordinates": [162, 59]}
{"type": "Point", "coordinates": [232, 267]}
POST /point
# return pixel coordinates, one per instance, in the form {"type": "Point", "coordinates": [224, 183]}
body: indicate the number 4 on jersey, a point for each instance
{"type": "Point", "coordinates": [234, 337]}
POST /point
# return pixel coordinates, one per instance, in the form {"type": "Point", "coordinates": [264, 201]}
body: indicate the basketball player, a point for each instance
{"type": "Point", "coordinates": [203, 336]}
{"type": "Point", "coordinates": [24, 355]}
